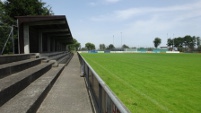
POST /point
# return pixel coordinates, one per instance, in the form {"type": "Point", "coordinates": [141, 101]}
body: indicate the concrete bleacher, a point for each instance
{"type": "Point", "coordinates": [69, 93]}
{"type": "Point", "coordinates": [26, 79]}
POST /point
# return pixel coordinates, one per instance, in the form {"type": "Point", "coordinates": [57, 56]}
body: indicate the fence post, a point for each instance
{"type": "Point", "coordinates": [100, 98]}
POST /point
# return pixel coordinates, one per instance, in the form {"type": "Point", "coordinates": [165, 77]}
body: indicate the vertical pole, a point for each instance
{"type": "Point", "coordinates": [18, 33]}
{"type": "Point", "coordinates": [6, 41]}
{"type": "Point", "coordinates": [121, 41]}
{"type": "Point", "coordinates": [167, 36]}
{"type": "Point", "coordinates": [173, 43]}
{"type": "Point", "coordinates": [13, 40]}
{"type": "Point", "coordinates": [100, 98]}
{"type": "Point", "coordinates": [40, 45]}
{"type": "Point", "coordinates": [48, 44]}
{"type": "Point", "coordinates": [113, 40]}
{"type": "Point", "coordinates": [26, 39]}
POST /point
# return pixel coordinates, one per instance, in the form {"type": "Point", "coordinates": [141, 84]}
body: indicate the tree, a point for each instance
{"type": "Point", "coordinates": [111, 47]}
{"type": "Point", "coordinates": [178, 43]}
{"type": "Point", "coordinates": [90, 46]}
{"type": "Point", "coordinates": [11, 8]}
{"type": "Point", "coordinates": [24, 7]}
{"type": "Point", "coordinates": [169, 42]}
{"type": "Point", "coordinates": [102, 46]}
{"type": "Point", "coordinates": [186, 43]}
{"type": "Point", "coordinates": [75, 46]}
{"type": "Point", "coordinates": [125, 46]}
{"type": "Point", "coordinates": [157, 42]}
{"type": "Point", "coordinates": [1, 12]}
{"type": "Point", "coordinates": [4, 31]}
{"type": "Point", "coordinates": [189, 42]}
{"type": "Point", "coordinates": [198, 41]}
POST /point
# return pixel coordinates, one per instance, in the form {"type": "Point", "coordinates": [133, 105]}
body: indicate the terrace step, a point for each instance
{"type": "Point", "coordinates": [69, 93]}
{"type": "Point", "coordinates": [29, 99]}
{"type": "Point", "coordinates": [13, 84]}
{"type": "Point", "coordinates": [58, 57]}
{"type": "Point", "coordinates": [50, 54]}
{"type": "Point", "coordinates": [54, 56]}
{"type": "Point", "coordinates": [14, 67]}
{"type": "Point", "coordinates": [14, 58]}
{"type": "Point", "coordinates": [63, 60]}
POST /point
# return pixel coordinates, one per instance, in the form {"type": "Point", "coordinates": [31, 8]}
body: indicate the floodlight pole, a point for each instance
{"type": "Point", "coordinates": [173, 42]}
{"type": "Point", "coordinates": [121, 41]}
{"type": "Point", "coordinates": [113, 39]}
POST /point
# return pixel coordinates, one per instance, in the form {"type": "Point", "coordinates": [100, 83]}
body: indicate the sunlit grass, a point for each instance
{"type": "Point", "coordinates": [150, 83]}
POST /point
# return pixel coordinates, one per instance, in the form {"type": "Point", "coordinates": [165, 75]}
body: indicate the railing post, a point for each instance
{"type": "Point", "coordinates": [100, 98]}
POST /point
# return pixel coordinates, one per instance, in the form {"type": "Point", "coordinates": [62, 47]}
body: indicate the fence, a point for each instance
{"type": "Point", "coordinates": [103, 99]}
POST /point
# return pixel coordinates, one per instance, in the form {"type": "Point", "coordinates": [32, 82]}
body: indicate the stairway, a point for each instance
{"type": "Point", "coordinates": [25, 80]}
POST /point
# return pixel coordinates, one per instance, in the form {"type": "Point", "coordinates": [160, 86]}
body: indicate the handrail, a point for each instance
{"type": "Point", "coordinates": [107, 107]}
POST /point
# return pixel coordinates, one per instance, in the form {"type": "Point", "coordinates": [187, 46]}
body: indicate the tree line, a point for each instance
{"type": "Point", "coordinates": [102, 47]}
{"type": "Point", "coordinates": [183, 44]}
{"type": "Point", "coordinates": [11, 8]}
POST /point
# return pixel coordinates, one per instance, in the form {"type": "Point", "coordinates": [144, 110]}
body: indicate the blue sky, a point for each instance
{"type": "Point", "coordinates": [139, 21]}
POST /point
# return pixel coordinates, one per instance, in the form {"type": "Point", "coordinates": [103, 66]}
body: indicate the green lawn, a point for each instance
{"type": "Point", "coordinates": [152, 83]}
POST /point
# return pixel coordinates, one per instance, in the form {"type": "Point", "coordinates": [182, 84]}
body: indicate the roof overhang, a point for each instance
{"type": "Point", "coordinates": [52, 26]}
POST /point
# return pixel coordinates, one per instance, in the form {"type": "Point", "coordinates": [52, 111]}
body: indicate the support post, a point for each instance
{"type": "Point", "coordinates": [53, 44]}
{"type": "Point", "coordinates": [40, 42]}
{"type": "Point", "coordinates": [48, 44]}
{"type": "Point", "coordinates": [26, 40]}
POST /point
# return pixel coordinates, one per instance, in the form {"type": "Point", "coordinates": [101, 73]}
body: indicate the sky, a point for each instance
{"type": "Point", "coordinates": [135, 23]}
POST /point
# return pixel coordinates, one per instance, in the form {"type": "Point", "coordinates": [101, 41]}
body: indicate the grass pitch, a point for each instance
{"type": "Point", "coordinates": [152, 83]}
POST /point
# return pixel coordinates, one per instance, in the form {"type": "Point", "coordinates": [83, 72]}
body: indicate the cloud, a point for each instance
{"type": "Point", "coordinates": [186, 10]}
{"type": "Point", "coordinates": [112, 1]}
{"type": "Point", "coordinates": [92, 4]}
{"type": "Point", "coordinates": [104, 2]}
{"type": "Point", "coordinates": [140, 25]}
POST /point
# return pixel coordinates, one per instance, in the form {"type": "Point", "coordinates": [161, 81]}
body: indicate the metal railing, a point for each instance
{"type": "Point", "coordinates": [103, 99]}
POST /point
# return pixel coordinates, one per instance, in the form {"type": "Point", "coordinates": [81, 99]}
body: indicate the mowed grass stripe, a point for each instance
{"type": "Point", "coordinates": [152, 82]}
{"type": "Point", "coordinates": [121, 81]}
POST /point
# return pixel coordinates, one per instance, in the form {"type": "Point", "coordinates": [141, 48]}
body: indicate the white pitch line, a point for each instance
{"type": "Point", "coordinates": [136, 90]}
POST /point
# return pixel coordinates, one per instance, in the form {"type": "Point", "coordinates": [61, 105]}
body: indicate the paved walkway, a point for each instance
{"type": "Point", "coordinates": [69, 93]}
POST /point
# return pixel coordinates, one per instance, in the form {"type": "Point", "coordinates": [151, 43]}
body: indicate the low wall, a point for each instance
{"type": "Point", "coordinates": [128, 52]}
{"type": "Point", "coordinates": [172, 52]}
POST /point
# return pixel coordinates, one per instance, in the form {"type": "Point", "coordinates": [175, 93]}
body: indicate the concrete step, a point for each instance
{"type": "Point", "coordinates": [58, 57]}
{"type": "Point", "coordinates": [4, 59]}
{"type": "Point", "coordinates": [50, 54]}
{"type": "Point", "coordinates": [14, 67]}
{"type": "Point", "coordinates": [29, 99]}
{"type": "Point", "coordinates": [13, 84]}
{"type": "Point", "coordinates": [65, 59]}
{"type": "Point", "coordinates": [55, 57]}
{"type": "Point", "coordinates": [69, 93]}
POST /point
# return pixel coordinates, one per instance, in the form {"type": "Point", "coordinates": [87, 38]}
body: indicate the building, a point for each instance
{"type": "Point", "coordinates": [39, 34]}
